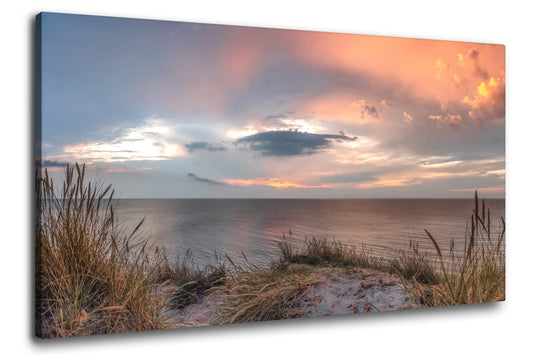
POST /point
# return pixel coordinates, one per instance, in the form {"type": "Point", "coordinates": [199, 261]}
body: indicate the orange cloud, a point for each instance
{"type": "Point", "coordinates": [425, 70]}
{"type": "Point", "coordinates": [450, 119]}
{"type": "Point", "coordinates": [408, 117]}
{"type": "Point", "coordinates": [489, 100]}
{"type": "Point", "coordinates": [388, 183]}
{"type": "Point", "coordinates": [497, 190]}
{"type": "Point", "coordinates": [271, 182]}
{"type": "Point", "coordinates": [418, 63]}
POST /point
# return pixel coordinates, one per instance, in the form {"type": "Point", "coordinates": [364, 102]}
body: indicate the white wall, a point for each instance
{"type": "Point", "coordinates": [480, 329]}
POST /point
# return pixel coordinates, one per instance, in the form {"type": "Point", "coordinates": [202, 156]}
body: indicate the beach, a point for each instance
{"type": "Point", "coordinates": [334, 292]}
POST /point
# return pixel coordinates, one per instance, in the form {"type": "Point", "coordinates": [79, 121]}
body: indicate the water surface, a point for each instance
{"type": "Point", "coordinates": [255, 226]}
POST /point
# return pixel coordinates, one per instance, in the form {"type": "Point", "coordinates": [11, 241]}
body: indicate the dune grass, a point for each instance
{"type": "Point", "coordinates": [474, 275]}
{"type": "Point", "coordinates": [188, 281]}
{"type": "Point", "coordinates": [262, 294]}
{"type": "Point", "coordinates": [323, 252]}
{"type": "Point", "coordinates": [92, 277]}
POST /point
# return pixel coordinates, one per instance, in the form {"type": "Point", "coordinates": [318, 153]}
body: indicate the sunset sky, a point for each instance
{"type": "Point", "coordinates": [169, 109]}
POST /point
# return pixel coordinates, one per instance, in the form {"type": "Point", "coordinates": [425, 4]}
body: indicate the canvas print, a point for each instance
{"type": "Point", "coordinates": [194, 174]}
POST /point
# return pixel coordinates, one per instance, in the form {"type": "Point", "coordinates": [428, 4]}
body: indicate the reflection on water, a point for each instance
{"type": "Point", "coordinates": [254, 226]}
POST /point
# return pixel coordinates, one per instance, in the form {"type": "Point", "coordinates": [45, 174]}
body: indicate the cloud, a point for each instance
{"type": "Point", "coordinates": [152, 140]}
{"type": "Point", "coordinates": [281, 115]}
{"type": "Point", "coordinates": [289, 143]}
{"type": "Point", "coordinates": [408, 117]}
{"type": "Point", "coordinates": [364, 107]}
{"type": "Point", "coordinates": [204, 180]}
{"type": "Point", "coordinates": [273, 183]}
{"type": "Point", "coordinates": [280, 122]}
{"type": "Point", "coordinates": [477, 68]}
{"type": "Point", "coordinates": [205, 146]}
{"type": "Point", "coordinates": [50, 164]}
{"type": "Point", "coordinates": [488, 102]}
{"type": "Point", "coordinates": [346, 178]}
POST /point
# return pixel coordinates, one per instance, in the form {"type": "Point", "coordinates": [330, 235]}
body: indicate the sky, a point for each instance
{"type": "Point", "coordinates": [185, 110]}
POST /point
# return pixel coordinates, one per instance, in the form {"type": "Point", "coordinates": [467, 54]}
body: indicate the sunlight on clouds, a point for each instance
{"type": "Point", "coordinates": [484, 190]}
{"type": "Point", "coordinates": [437, 175]}
{"type": "Point", "coordinates": [441, 165]}
{"type": "Point", "coordinates": [271, 182]}
{"type": "Point", "coordinates": [408, 117]}
{"type": "Point", "coordinates": [302, 125]}
{"type": "Point", "coordinates": [484, 91]}
{"type": "Point", "coordinates": [388, 183]}
{"type": "Point", "coordinates": [489, 100]}
{"type": "Point", "coordinates": [362, 151]}
{"type": "Point", "coordinates": [280, 123]}
{"type": "Point", "coordinates": [499, 173]}
{"type": "Point", "coordinates": [151, 141]}
{"type": "Point", "coordinates": [236, 134]}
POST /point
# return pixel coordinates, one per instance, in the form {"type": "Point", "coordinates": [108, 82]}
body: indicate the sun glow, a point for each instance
{"type": "Point", "coordinates": [152, 141]}
{"type": "Point", "coordinates": [271, 182]}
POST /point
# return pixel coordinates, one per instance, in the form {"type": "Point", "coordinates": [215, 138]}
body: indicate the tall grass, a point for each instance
{"type": "Point", "coordinates": [251, 293]}
{"type": "Point", "coordinates": [189, 281]}
{"type": "Point", "coordinates": [91, 276]}
{"type": "Point", "coordinates": [416, 265]}
{"type": "Point", "coordinates": [323, 252]}
{"type": "Point", "coordinates": [477, 273]}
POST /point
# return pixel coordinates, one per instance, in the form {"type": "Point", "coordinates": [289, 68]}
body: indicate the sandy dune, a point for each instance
{"type": "Point", "coordinates": [339, 292]}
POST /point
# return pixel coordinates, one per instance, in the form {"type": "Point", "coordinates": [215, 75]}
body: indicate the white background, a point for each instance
{"type": "Point", "coordinates": [495, 328]}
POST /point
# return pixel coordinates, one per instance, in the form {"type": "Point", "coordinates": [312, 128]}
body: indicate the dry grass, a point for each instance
{"type": "Point", "coordinates": [252, 294]}
{"type": "Point", "coordinates": [323, 252]}
{"type": "Point", "coordinates": [188, 280]}
{"type": "Point", "coordinates": [413, 265]}
{"type": "Point", "coordinates": [474, 275]}
{"type": "Point", "coordinates": [91, 276]}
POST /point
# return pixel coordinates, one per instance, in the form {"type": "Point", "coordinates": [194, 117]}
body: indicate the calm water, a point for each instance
{"type": "Point", "coordinates": [254, 226]}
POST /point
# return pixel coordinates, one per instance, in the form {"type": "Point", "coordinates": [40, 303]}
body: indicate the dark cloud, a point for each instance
{"type": "Point", "coordinates": [367, 108]}
{"type": "Point", "coordinates": [204, 180]}
{"type": "Point", "coordinates": [349, 178]}
{"type": "Point", "coordinates": [204, 146]}
{"type": "Point", "coordinates": [371, 110]}
{"type": "Point", "coordinates": [289, 143]}
{"type": "Point", "coordinates": [475, 56]}
{"type": "Point", "coordinates": [278, 116]}
{"type": "Point", "coordinates": [50, 164]}
{"type": "Point", "coordinates": [113, 151]}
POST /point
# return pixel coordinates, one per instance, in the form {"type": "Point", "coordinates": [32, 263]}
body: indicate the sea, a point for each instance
{"type": "Point", "coordinates": [208, 229]}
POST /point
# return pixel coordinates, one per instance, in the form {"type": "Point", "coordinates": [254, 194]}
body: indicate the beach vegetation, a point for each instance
{"type": "Point", "coordinates": [92, 276]}
{"type": "Point", "coordinates": [95, 277]}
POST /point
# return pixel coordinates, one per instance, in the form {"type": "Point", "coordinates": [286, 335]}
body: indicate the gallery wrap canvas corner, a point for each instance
{"type": "Point", "coordinates": [193, 174]}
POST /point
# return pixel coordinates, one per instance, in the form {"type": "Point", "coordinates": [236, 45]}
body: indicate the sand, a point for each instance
{"type": "Point", "coordinates": [363, 291]}
{"type": "Point", "coordinates": [338, 292]}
